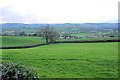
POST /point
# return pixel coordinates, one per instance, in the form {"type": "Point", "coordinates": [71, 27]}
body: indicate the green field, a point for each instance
{"type": "Point", "coordinates": [20, 41]}
{"type": "Point", "coordinates": [8, 41]}
{"type": "Point", "coordinates": [69, 60]}
{"type": "Point", "coordinates": [81, 35]}
{"type": "Point", "coordinates": [89, 34]}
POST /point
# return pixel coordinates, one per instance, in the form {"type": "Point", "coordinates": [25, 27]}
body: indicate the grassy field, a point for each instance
{"type": "Point", "coordinates": [69, 60]}
{"type": "Point", "coordinates": [20, 41]}
{"type": "Point", "coordinates": [8, 41]}
{"type": "Point", "coordinates": [89, 34]}
{"type": "Point", "coordinates": [81, 35]}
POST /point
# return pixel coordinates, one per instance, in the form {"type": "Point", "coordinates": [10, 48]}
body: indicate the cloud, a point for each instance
{"type": "Point", "coordinates": [8, 16]}
{"type": "Point", "coordinates": [57, 11]}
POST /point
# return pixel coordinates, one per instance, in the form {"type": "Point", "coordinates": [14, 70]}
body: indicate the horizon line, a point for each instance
{"type": "Point", "coordinates": [55, 23]}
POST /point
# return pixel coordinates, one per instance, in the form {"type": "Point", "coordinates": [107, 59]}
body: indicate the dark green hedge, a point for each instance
{"type": "Point", "coordinates": [17, 71]}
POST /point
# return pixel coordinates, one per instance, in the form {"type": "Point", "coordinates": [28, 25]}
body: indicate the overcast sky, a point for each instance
{"type": "Point", "coordinates": [58, 11]}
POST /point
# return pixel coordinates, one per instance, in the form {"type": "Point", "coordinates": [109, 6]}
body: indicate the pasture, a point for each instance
{"type": "Point", "coordinates": [69, 60]}
{"type": "Point", "coordinates": [89, 34]}
{"type": "Point", "coordinates": [8, 41]}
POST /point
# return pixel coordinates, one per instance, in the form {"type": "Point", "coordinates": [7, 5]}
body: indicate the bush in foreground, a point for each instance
{"type": "Point", "coordinates": [18, 71]}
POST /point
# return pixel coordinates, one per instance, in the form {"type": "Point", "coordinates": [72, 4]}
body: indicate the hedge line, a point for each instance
{"type": "Point", "coordinates": [20, 47]}
{"type": "Point", "coordinates": [82, 41]}
{"type": "Point", "coordinates": [90, 41]}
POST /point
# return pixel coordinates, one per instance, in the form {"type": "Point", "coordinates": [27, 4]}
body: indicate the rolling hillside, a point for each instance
{"type": "Point", "coordinates": [60, 27]}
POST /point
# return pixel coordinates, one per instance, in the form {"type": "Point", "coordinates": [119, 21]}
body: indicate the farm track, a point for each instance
{"type": "Point", "coordinates": [82, 41]}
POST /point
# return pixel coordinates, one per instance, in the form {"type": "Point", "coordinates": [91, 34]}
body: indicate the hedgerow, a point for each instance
{"type": "Point", "coordinates": [17, 71]}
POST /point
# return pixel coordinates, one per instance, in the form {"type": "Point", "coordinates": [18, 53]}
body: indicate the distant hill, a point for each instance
{"type": "Point", "coordinates": [16, 25]}
{"type": "Point", "coordinates": [60, 27]}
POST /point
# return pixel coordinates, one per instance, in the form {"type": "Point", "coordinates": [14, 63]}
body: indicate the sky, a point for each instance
{"type": "Point", "coordinates": [58, 11]}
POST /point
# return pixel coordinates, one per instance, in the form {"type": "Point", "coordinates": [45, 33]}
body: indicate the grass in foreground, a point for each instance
{"type": "Point", "coordinates": [72, 60]}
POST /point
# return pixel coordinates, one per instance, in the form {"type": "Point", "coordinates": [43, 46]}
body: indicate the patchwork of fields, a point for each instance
{"type": "Point", "coordinates": [69, 60]}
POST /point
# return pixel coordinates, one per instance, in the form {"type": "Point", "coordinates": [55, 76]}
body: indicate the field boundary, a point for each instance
{"type": "Point", "coordinates": [90, 41]}
{"type": "Point", "coordinates": [82, 41]}
{"type": "Point", "coordinates": [20, 47]}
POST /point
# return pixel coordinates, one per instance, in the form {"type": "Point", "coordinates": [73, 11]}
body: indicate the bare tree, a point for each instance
{"type": "Point", "coordinates": [49, 33]}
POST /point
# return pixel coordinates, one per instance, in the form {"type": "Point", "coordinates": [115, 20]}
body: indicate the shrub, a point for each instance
{"type": "Point", "coordinates": [17, 71]}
